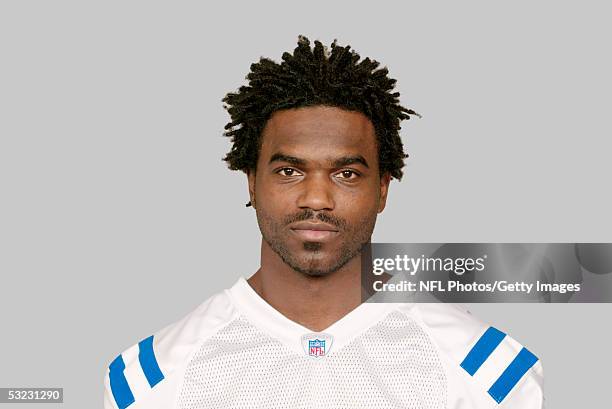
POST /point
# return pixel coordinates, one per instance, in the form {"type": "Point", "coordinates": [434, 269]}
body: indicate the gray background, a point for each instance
{"type": "Point", "coordinates": [118, 216]}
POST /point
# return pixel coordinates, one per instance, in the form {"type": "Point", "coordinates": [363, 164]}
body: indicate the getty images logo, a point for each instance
{"type": "Point", "coordinates": [411, 265]}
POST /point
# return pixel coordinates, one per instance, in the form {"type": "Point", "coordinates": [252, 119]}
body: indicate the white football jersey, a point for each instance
{"type": "Point", "coordinates": [237, 351]}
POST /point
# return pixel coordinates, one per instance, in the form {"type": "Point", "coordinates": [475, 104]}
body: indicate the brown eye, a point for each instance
{"type": "Point", "coordinates": [348, 174]}
{"type": "Point", "coordinates": [287, 172]}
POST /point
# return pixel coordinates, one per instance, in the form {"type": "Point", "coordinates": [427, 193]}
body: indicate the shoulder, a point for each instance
{"type": "Point", "coordinates": [148, 374]}
{"type": "Point", "coordinates": [481, 358]}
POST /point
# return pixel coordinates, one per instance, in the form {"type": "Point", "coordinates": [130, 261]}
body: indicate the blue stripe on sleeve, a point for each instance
{"type": "Point", "coordinates": [481, 351]}
{"type": "Point", "coordinates": [119, 386]}
{"type": "Point", "coordinates": [513, 373]}
{"type": "Point", "coordinates": [148, 362]}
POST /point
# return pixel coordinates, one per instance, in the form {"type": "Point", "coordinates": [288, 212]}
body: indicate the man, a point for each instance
{"type": "Point", "coordinates": [317, 136]}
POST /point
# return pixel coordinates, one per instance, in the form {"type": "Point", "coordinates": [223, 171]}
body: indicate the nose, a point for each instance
{"type": "Point", "coordinates": [316, 193]}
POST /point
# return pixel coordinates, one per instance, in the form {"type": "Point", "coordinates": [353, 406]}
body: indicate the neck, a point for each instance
{"type": "Point", "coordinates": [313, 302]}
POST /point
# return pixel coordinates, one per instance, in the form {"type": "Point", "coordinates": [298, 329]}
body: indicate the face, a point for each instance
{"type": "Point", "coordinates": [317, 188]}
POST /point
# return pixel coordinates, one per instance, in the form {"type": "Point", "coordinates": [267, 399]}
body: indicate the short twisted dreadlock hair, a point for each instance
{"type": "Point", "coordinates": [310, 77]}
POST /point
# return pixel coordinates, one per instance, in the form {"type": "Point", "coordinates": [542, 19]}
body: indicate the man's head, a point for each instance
{"type": "Point", "coordinates": [318, 137]}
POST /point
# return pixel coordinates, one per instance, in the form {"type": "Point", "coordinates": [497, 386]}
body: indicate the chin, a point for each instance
{"type": "Point", "coordinates": [318, 267]}
{"type": "Point", "coordinates": [313, 259]}
{"type": "Point", "coordinates": [314, 272]}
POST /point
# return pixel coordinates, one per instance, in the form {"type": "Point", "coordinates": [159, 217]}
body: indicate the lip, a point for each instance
{"type": "Point", "coordinates": [317, 226]}
{"type": "Point", "coordinates": [310, 231]}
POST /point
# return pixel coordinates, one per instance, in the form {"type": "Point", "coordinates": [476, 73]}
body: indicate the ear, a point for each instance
{"type": "Point", "coordinates": [251, 182]}
{"type": "Point", "coordinates": [385, 180]}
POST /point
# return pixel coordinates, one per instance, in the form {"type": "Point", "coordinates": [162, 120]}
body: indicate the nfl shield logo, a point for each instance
{"type": "Point", "coordinates": [316, 347]}
{"type": "Point", "coordinates": [317, 344]}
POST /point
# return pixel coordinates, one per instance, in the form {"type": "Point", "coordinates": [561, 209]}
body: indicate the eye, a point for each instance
{"type": "Point", "coordinates": [288, 172]}
{"type": "Point", "coordinates": [348, 174]}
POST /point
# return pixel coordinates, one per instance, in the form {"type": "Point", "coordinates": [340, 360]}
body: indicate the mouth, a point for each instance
{"type": "Point", "coordinates": [310, 231]}
{"type": "Point", "coordinates": [314, 235]}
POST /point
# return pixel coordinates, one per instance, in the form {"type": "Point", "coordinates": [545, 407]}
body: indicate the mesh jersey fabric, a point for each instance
{"type": "Point", "coordinates": [391, 365]}
{"type": "Point", "coordinates": [236, 351]}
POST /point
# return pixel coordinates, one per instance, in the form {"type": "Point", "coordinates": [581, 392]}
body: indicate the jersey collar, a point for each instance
{"type": "Point", "coordinates": [265, 317]}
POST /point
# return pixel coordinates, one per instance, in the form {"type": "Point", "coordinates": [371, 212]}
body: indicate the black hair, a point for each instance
{"type": "Point", "coordinates": [311, 77]}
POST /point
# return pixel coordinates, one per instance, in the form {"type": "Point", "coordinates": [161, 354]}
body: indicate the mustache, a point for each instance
{"type": "Point", "coordinates": [309, 214]}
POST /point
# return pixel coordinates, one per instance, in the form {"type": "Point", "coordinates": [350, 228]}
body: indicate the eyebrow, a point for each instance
{"type": "Point", "coordinates": [281, 157]}
{"type": "Point", "coordinates": [338, 163]}
{"type": "Point", "coordinates": [349, 160]}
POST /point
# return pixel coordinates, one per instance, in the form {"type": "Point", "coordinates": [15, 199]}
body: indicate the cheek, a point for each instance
{"type": "Point", "coordinates": [272, 208]}
{"type": "Point", "coordinates": [360, 209]}
{"type": "Point", "coordinates": [267, 197]}
{"type": "Point", "coordinates": [362, 199]}
{"type": "Point", "coordinates": [275, 205]}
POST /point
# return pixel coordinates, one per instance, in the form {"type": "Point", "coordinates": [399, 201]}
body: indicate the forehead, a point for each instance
{"type": "Point", "coordinates": [319, 131]}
